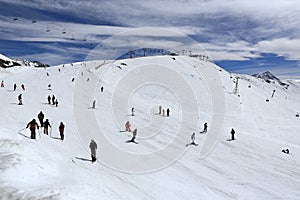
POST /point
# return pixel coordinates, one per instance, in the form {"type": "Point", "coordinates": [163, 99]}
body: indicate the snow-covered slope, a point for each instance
{"type": "Point", "coordinates": [251, 167]}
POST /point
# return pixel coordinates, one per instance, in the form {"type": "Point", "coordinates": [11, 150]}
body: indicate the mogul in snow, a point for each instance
{"type": "Point", "coordinates": [93, 147]}
{"type": "Point", "coordinates": [32, 125]}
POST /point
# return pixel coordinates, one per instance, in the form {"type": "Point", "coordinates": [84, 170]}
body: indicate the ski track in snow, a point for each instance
{"type": "Point", "coordinates": [251, 167]}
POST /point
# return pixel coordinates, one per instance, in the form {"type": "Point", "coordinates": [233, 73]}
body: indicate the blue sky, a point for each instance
{"type": "Point", "coordinates": [239, 35]}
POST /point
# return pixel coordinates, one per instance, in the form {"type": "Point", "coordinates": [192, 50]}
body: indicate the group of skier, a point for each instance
{"type": "Point", "coordinates": [52, 100]}
{"type": "Point", "coordinates": [163, 112]}
{"type": "Point", "coordinates": [15, 87]}
{"type": "Point", "coordinates": [33, 125]}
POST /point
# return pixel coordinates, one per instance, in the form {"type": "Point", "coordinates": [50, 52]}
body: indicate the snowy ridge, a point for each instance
{"type": "Point", "coordinates": [251, 167]}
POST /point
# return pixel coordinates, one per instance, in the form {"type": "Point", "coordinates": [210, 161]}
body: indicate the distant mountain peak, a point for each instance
{"type": "Point", "coordinates": [269, 77]}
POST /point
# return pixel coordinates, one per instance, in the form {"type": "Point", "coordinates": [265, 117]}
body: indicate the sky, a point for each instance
{"type": "Point", "coordinates": [240, 36]}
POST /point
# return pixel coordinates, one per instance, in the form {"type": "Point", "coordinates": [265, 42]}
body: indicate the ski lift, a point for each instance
{"type": "Point", "coordinates": [47, 29]}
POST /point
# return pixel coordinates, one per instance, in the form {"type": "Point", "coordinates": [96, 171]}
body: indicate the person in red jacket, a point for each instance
{"type": "Point", "coordinates": [61, 130]}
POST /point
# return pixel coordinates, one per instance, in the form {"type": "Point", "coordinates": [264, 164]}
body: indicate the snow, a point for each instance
{"type": "Point", "coordinates": [251, 167]}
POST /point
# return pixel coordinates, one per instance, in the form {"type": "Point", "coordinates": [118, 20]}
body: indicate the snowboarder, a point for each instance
{"type": "Point", "coordinates": [127, 126]}
{"type": "Point", "coordinates": [53, 100]}
{"type": "Point", "coordinates": [94, 104]}
{"type": "Point", "coordinates": [23, 87]}
{"type": "Point", "coordinates": [193, 137]}
{"type": "Point", "coordinates": [204, 128]}
{"type": "Point", "coordinates": [56, 102]}
{"type": "Point", "coordinates": [49, 99]}
{"type": "Point", "coordinates": [41, 118]}
{"type": "Point", "coordinates": [132, 111]}
{"type": "Point", "coordinates": [168, 112]}
{"type": "Point", "coordinates": [20, 99]}
{"type": "Point", "coordinates": [134, 133]}
{"type": "Point", "coordinates": [2, 83]}
{"type": "Point", "coordinates": [46, 125]}
{"type": "Point", "coordinates": [32, 125]}
{"type": "Point", "coordinates": [61, 130]}
{"type": "Point", "coordinates": [232, 134]}
{"type": "Point", "coordinates": [93, 147]}
{"type": "Point", "coordinates": [102, 89]}
{"type": "Point", "coordinates": [159, 110]}
{"type": "Point", "coordinates": [15, 87]}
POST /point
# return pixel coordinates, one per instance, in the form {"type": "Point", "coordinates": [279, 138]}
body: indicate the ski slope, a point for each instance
{"type": "Point", "coordinates": [251, 167]}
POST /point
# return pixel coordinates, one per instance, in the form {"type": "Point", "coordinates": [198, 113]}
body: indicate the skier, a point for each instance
{"type": "Point", "coordinates": [15, 87]}
{"type": "Point", "coordinates": [232, 134]}
{"type": "Point", "coordinates": [20, 99]}
{"type": "Point", "coordinates": [56, 102]}
{"type": "Point", "coordinates": [287, 151]}
{"type": "Point", "coordinates": [41, 118]}
{"type": "Point", "coordinates": [46, 125]}
{"type": "Point", "coordinates": [93, 147]}
{"type": "Point", "coordinates": [73, 79]}
{"type": "Point", "coordinates": [205, 128]}
{"type": "Point", "coordinates": [47, 74]}
{"type": "Point", "coordinates": [159, 110]}
{"type": "Point", "coordinates": [61, 130]}
{"type": "Point", "coordinates": [163, 112]}
{"type": "Point", "coordinates": [49, 99]}
{"type": "Point", "coordinates": [2, 83]}
{"type": "Point", "coordinates": [127, 126]}
{"type": "Point", "coordinates": [23, 87]}
{"type": "Point", "coordinates": [273, 93]}
{"type": "Point", "coordinates": [168, 112]}
{"type": "Point", "coordinates": [134, 133]}
{"type": "Point", "coordinates": [132, 111]}
{"type": "Point", "coordinates": [94, 104]}
{"type": "Point", "coordinates": [49, 86]}
{"type": "Point", "coordinates": [32, 126]}
{"type": "Point", "coordinates": [297, 114]}
{"type": "Point", "coordinates": [102, 89]}
{"type": "Point", "coordinates": [53, 100]}
{"type": "Point", "coordinates": [193, 137]}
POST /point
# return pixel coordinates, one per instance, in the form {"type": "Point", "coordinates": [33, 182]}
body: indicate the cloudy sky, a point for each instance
{"type": "Point", "coordinates": [244, 36]}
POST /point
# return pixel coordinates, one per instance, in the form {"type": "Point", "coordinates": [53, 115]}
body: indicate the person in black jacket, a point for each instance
{"type": "Point", "coordinates": [32, 125]}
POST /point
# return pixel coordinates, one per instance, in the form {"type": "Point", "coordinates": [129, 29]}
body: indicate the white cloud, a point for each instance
{"type": "Point", "coordinates": [289, 48]}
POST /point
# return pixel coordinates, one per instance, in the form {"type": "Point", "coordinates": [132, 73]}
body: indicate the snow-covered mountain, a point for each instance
{"type": "Point", "coordinates": [269, 77]}
{"type": "Point", "coordinates": [6, 62]}
{"type": "Point", "coordinates": [250, 167]}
